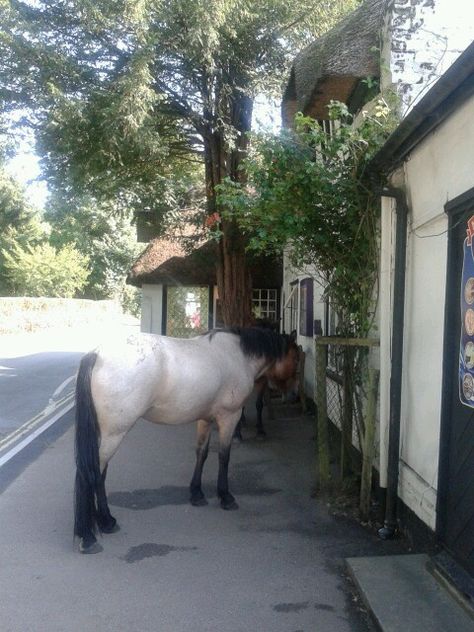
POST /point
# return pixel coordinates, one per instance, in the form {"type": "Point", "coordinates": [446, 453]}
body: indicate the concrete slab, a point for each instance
{"type": "Point", "coordinates": [402, 595]}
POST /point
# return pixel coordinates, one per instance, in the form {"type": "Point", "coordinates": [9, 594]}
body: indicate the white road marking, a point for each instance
{"type": "Point", "coordinates": [61, 387]}
{"type": "Point", "coordinates": [35, 427]}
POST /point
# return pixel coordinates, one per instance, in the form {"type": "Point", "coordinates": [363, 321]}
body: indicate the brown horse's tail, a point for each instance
{"type": "Point", "coordinates": [87, 453]}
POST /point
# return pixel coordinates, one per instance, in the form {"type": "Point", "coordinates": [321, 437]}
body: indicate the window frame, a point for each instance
{"type": "Point", "coordinates": [306, 307]}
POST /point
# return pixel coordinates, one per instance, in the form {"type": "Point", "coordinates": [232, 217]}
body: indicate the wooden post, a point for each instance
{"type": "Point", "coordinates": [322, 417]}
{"type": "Point", "coordinates": [301, 389]}
{"type": "Point", "coordinates": [347, 415]}
{"type": "Point", "coordinates": [369, 444]}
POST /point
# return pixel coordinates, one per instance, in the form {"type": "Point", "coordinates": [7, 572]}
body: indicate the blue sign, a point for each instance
{"type": "Point", "coordinates": [466, 351]}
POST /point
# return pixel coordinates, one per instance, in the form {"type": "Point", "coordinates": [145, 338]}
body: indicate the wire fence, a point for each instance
{"type": "Point", "coordinates": [346, 394]}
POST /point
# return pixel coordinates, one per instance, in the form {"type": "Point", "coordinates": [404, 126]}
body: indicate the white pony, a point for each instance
{"type": "Point", "coordinates": [171, 381]}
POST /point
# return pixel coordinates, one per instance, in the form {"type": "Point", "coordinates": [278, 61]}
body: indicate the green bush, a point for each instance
{"type": "Point", "coordinates": [42, 270]}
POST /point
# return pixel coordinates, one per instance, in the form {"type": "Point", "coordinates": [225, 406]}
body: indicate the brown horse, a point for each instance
{"type": "Point", "coordinates": [285, 381]}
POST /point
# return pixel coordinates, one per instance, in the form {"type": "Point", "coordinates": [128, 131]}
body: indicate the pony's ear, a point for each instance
{"type": "Point", "coordinates": [293, 335]}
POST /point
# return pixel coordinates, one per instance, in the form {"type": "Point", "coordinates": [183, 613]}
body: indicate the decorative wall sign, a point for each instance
{"type": "Point", "coordinates": [466, 351]}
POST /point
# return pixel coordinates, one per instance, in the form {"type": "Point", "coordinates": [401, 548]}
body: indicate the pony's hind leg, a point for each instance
{"type": "Point", "coordinates": [202, 448]}
{"type": "Point", "coordinates": [108, 446]}
{"type": "Point", "coordinates": [226, 426]}
{"type": "Point", "coordinates": [261, 390]}
{"type": "Point", "coordinates": [105, 521]}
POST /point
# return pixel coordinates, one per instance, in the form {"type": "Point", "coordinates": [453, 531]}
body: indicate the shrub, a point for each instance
{"type": "Point", "coordinates": [42, 270]}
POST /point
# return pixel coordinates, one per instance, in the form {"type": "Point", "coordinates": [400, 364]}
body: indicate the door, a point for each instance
{"type": "Point", "coordinates": [456, 477]}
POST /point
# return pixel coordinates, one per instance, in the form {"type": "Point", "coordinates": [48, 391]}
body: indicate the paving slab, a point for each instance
{"type": "Point", "coordinates": [402, 595]}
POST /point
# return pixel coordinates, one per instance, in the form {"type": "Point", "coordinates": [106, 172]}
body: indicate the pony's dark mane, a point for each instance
{"type": "Point", "coordinates": [258, 341]}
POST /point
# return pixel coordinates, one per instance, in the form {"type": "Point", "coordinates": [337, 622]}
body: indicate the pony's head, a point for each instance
{"type": "Point", "coordinates": [283, 374]}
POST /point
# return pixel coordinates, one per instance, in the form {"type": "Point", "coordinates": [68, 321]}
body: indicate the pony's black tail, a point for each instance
{"type": "Point", "coordinates": [87, 452]}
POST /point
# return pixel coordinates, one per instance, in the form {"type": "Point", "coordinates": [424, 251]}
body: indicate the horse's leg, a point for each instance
{"type": "Point", "coordinates": [259, 405]}
{"type": "Point", "coordinates": [105, 521]}
{"type": "Point", "coordinates": [108, 447]}
{"type": "Point", "coordinates": [202, 448]}
{"type": "Point", "coordinates": [226, 426]}
{"type": "Point", "coordinates": [238, 427]}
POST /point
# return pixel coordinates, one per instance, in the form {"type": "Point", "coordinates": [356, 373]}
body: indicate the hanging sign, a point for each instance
{"type": "Point", "coordinates": [466, 351]}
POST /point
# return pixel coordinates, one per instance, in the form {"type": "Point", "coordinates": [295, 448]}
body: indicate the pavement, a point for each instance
{"type": "Point", "coordinates": [276, 564]}
{"type": "Point", "coordinates": [403, 594]}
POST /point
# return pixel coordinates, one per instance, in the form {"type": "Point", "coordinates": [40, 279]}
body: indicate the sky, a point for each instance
{"type": "Point", "coordinates": [25, 168]}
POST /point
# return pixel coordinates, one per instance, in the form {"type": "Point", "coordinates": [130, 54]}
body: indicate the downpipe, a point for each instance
{"type": "Point", "coordinates": [389, 529]}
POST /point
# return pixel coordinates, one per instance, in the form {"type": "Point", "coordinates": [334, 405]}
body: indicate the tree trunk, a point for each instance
{"type": "Point", "coordinates": [234, 281]}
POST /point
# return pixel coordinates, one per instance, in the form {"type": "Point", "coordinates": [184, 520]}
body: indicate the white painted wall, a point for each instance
{"type": "Point", "coordinates": [152, 309]}
{"type": "Point", "coordinates": [384, 320]}
{"type": "Point", "coordinates": [307, 342]}
{"type": "Point", "coordinates": [438, 170]}
{"type": "Point", "coordinates": [426, 38]}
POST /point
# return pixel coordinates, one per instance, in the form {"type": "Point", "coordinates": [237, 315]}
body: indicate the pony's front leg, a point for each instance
{"type": "Point", "coordinates": [202, 448]}
{"type": "Point", "coordinates": [238, 427]}
{"type": "Point", "coordinates": [226, 425]}
{"type": "Point", "coordinates": [259, 406]}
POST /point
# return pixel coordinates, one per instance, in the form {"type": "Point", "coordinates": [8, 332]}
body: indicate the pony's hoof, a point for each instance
{"type": "Point", "coordinates": [111, 527]}
{"type": "Point", "coordinates": [197, 498]}
{"type": "Point", "coordinates": [229, 504]}
{"type": "Point", "coordinates": [89, 547]}
{"type": "Point", "coordinates": [199, 501]}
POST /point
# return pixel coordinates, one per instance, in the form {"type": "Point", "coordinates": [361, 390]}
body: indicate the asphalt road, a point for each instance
{"type": "Point", "coordinates": [37, 377]}
{"type": "Point", "coordinates": [274, 565]}
{"type": "Point", "coordinates": [28, 383]}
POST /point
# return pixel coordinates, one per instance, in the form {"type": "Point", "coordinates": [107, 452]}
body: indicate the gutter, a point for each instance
{"type": "Point", "coordinates": [390, 523]}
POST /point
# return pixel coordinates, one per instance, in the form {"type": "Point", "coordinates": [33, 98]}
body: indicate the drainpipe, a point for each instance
{"type": "Point", "coordinates": [390, 523]}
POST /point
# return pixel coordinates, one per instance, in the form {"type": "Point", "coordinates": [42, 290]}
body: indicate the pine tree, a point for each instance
{"type": "Point", "coordinates": [124, 96]}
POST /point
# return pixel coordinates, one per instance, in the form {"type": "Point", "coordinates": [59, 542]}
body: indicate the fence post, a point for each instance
{"type": "Point", "coordinates": [301, 389]}
{"type": "Point", "coordinates": [369, 445]}
{"type": "Point", "coordinates": [322, 416]}
{"type": "Point", "coordinates": [347, 414]}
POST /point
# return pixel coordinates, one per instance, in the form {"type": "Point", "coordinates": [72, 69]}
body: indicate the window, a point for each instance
{"type": "Point", "coordinates": [265, 304]}
{"type": "Point", "coordinates": [290, 309]}
{"type": "Point", "coordinates": [187, 311]}
{"type": "Point", "coordinates": [306, 308]}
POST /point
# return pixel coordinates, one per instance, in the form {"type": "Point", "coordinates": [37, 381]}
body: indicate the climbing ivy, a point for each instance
{"type": "Point", "coordinates": [310, 190]}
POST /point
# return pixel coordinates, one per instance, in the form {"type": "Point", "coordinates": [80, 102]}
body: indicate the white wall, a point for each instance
{"type": "Point", "coordinates": [427, 36]}
{"type": "Point", "coordinates": [152, 309]}
{"type": "Point", "coordinates": [438, 170]}
{"type": "Point", "coordinates": [307, 342]}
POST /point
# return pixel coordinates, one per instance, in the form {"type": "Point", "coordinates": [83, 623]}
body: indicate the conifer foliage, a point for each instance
{"type": "Point", "coordinates": [128, 97]}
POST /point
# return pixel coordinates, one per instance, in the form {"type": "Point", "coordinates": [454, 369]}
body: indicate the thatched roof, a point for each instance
{"type": "Point", "coordinates": [332, 66]}
{"type": "Point", "coordinates": [197, 268]}
{"type": "Point", "coordinates": [157, 252]}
